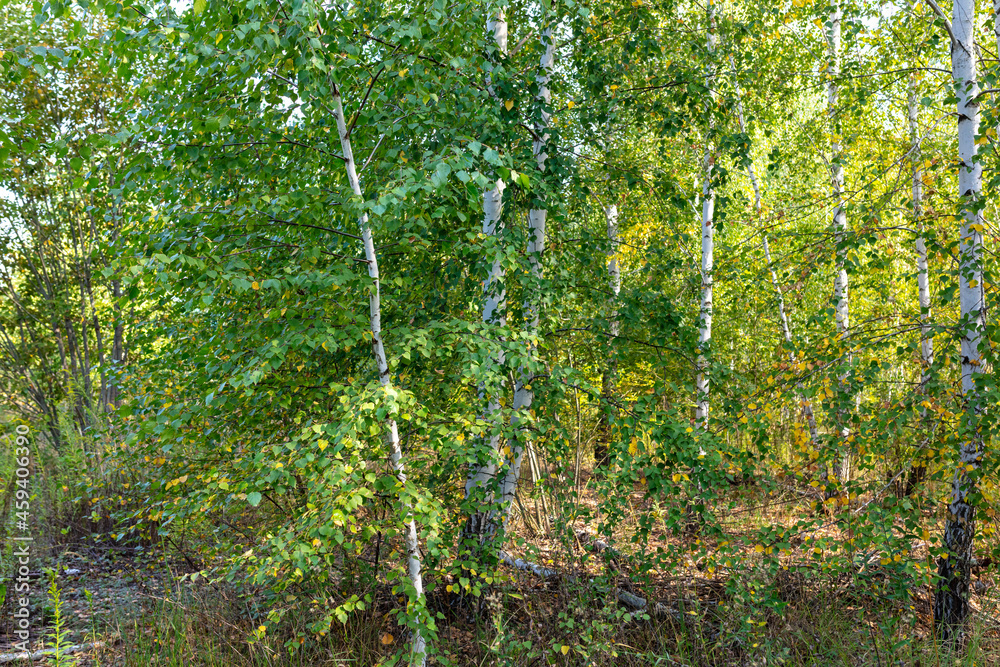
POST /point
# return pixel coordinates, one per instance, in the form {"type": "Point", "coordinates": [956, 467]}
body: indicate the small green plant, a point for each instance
{"type": "Point", "coordinates": [56, 637]}
{"type": "Point", "coordinates": [93, 621]}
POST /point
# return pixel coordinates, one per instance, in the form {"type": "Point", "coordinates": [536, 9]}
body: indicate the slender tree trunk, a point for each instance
{"type": "Point", "coordinates": [951, 601]}
{"type": "Point", "coordinates": [840, 282]}
{"type": "Point", "coordinates": [609, 376]}
{"type": "Point", "coordinates": [117, 344]}
{"type": "Point", "coordinates": [919, 471]}
{"type": "Point", "coordinates": [786, 329]}
{"type": "Point", "coordinates": [419, 649]}
{"type": "Point", "coordinates": [482, 478]}
{"type": "Point", "coordinates": [707, 238]}
{"type": "Point", "coordinates": [523, 391]}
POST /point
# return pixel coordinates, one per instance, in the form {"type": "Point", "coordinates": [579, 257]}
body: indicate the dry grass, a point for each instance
{"type": "Point", "coordinates": [747, 614]}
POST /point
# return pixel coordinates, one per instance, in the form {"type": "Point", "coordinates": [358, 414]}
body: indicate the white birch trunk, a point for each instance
{"type": "Point", "coordinates": [923, 284]}
{"type": "Point", "coordinates": [483, 475]}
{"type": "Point", "coordinates": [614, 271]}
{"type": "Point", "coordinates": [707, 240]}
{"type": "Point", "coordinates": [996, 21]}
{"type": "Point", "coordinates": [786, 329]}
{"type": "Point", "coordinates": [610, 375]}
{"type": "Point", "coordinates": [840, 281]}
{"type": "Point", "coordinates": [951, 602]}
{"type": "Point", "coordinates": [840, 286]}
{"type": "Point", "coordinates": [523, 393]}
{"type": "Point", "coordinates": [918, 472]}
{"type": "Point", "coordinates": [419, 648]}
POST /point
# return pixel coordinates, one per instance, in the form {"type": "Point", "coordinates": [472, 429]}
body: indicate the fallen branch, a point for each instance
{"type": "Point", "coordinates": [521, 564]}
{"type": "Point", "coordinates": [631, 600]}
{"type": "Point", "coordinates": [50, 652]}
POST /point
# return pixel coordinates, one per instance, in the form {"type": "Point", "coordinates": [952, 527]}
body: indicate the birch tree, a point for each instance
{"type": "Point", "coordinates": [951, 601]}
{"type": "Point", "coordinates": [523, 392]}
{"type": "Point", "coordinates": [786, 330]}
{"type": "Point", "coordinates": [610, 371]}
{"type": "Point", "coordinates": [419, 647]}
{"type": "Point", "coordinates": [483, 476]}
{"type": "Point", "coordinates": [707, 236]}
{"type": "Point", "coordinates": [840, 281]}
{"type": "Point", "coordinates": [923, 286]}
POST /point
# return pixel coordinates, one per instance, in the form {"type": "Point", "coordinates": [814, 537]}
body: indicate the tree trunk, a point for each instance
{"type": "Point", "coordinates": [523, 391]}
{"type": "Point", "coordinates": [482, 479]}
{"type": "Point", "coordinates": [786, 330]}
{"type": "Point", "coordinates": [419, 649]}
{"type": "Point", "coordinates": [840, 281]}
{"type": "Point", "coordinates": [919, 471]}
{"type": "Point", "coordinates": [609, 375]}
{"type": "Point", "coordinates": [707, 238]}
{"type": "Point", "coordinates": [951, 600]}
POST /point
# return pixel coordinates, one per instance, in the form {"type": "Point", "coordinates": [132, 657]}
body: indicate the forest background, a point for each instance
{"type": "Point", "coordinates": [555, 332]}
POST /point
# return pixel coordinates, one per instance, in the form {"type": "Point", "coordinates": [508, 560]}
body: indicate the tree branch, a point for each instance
{"type": "Point", "coordinates": [941, 15]}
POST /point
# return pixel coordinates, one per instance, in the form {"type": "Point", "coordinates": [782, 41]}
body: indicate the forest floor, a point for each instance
{"type": "Point", "coordinates": [138, 606]}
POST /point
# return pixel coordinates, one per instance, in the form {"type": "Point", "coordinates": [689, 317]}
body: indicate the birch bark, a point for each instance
{"type": "Point", "coordinates": [786, 330]}
{"type": "Point", "coordinates": [419, 647]}
{"type": "Point", "coordinates": [918, 472]}
{"type": "Point", "coordinates": [610, 374]}
{"type": "Point", "coordinates": [523, 392]}
{"type": "Point", "coordinates": [483, 476]}
{"type": "Point", "coordinates": [951, 600]}
{"type": "Point", "coordinates": [840, 281]}
{"type": "Point", "coordinates": [707, 238]}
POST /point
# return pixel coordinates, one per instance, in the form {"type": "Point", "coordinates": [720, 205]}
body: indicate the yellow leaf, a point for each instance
{"type": "Point", "coordinates": [759, 549]}
{"type": "Point", "coordinates": [564, 650]}
{"type": "Point", "coordinates": [255, 285]}
{"type": "Point", "coordinates": [218, 38]}
{"type": "Point", "coordinates": [509, 104]}
{"type": "Point", "coordinates": [633, 447]}
{"type": "Point", "coordinates": [676, 477]}
{"type": "Point", "coordinates": [571, 104]}
{"type": "Point", "coordinates": [614, 87]}
{"type": "Point", "coordinates": [387, 639]}
{"type": "Point", "coordinates": [403, 72]}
